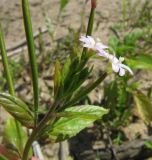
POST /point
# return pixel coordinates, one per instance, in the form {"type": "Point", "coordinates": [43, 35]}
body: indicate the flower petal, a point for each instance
{"type": "Point", "coordinates": [103, 54]}
{"type": "Point", "coordinates": [121, 59]}
{"type": "Point", "coordinates": [83, 39]}
{"type": "Point", "coordinates": [86, 46]}
{"type": "Point", "coordinates": [88, 41]}
{"type": "Point", "coordinates": [99, 46]}
{"type": "Point", "coordinates": [91, 41]}
{"type": "Point", "coordinates": [115, 67]}
{"type": "Point", "coordinates": [121, 72]}
{"type": "Point", "coordinates": [113, 59]}
{"type": "Point", "coordinates": [127, 68]}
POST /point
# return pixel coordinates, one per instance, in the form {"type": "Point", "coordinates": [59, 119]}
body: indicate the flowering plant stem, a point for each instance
{"type": "Point", "coordinates": [89, 29]}
{"type": "Point", "coordinates": [48, 117]}
{"type": "Point", "coordinates": [32, 56]}
{"type": "Point", "coordinates": [5, 63]}
{"type": "Point", "coordinates": [35, 132]}
{"type": "Point", "coordinates": [90, 22]}
{"type": "Point", "coordinates": [7, 72]}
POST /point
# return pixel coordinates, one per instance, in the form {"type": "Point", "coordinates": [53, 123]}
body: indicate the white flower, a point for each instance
{"type": "Point", "coordinates": [100, 50]}
{"type": "Point", "coordinates": [118, 67]}
{"type": "Point", "coordinates": [103, 54]}
{"type": "Point", "coordinates": [88, 41]}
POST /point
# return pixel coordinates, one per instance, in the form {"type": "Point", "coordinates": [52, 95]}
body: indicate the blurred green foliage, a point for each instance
{"type": "Point", "coordinates": [132, 39]}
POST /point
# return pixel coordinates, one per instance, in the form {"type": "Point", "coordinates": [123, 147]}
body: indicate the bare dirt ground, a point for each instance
{"type": "Point", "coordinates": [11, 16]}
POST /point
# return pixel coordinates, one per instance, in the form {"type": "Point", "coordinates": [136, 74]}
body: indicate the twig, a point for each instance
{"type": "Point", "coordinates": [131, 150]}
{"type": "Point", "coordinates": [37, 150]}
{"type": "Point", "coordinates": [63, 151]}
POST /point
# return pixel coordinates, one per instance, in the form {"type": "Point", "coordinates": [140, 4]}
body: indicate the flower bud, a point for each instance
{"type": "Point", "coordinates": [93, 3]}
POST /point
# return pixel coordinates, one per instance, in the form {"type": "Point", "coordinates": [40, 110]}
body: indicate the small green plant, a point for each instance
{"type": "Point", "coordinates": [65, 118]}
{"type": "Point", "coordinates": [148, 144]}
{"type": "Point", "coordinates": [122, 94]}
{"type": "Point", "coordinates": [135, 47]}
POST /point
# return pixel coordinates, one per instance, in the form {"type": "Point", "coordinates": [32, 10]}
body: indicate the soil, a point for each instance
{"type": "Point", "coordinates": [11, 16]}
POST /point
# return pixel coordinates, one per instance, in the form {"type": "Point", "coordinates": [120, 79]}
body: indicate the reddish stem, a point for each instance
{"type": "Point", "coordinates": [93, 3]}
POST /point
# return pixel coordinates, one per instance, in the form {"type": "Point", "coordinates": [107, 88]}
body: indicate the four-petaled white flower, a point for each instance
{"type": "Point", "coordinates": [117, 65]}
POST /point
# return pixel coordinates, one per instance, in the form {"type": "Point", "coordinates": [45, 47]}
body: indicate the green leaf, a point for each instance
{"type": "Point", "coordinates": [83, 91]}
{"type": "Point", "coordinates": [15, 136]}
{"type": "Point", "coordinates": [144, 107]}
{"type": "Point", "coordinates": [148, 144]}
{"type": "Point", "coordinates": [122, 49]}
{"type": "Point", "coordinates": [74, 120]}
{"type": "Point", "coordinates": [57, 78]}
{"type": "Point", "coordinates": [113, 42]}
{"type": "Point", "coordinates": [66, 69]}
{"type": "Point", "coordinates": [17, 108]}
{"type": "Point", "coordinates": [69, 70]}
{"type": "Point", "coordinates": [6, 153]}
{"type": "Point", "coordinates": [111, 93]}
{"type": "Point", "coordinates": [132, 37]}
{"type": "Point", "coordinates": [63, 3]}
{"type": "Point", "coordinates": [78, 80]}
{"type": "Point", "coordinates": [49, 24]}
{"type": "Point", "coordinates": [72, 76]}
{"type": "Point", "coordinates": [140, 62]}
{"type": "Point", "coordinates": [3, 158]}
